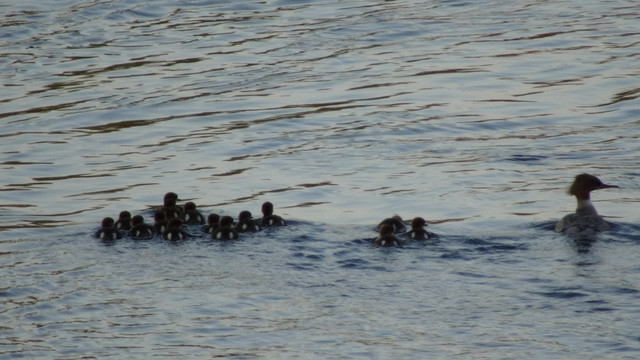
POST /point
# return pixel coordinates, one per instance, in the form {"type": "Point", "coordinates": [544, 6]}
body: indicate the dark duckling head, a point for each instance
{"type": "Point", "coordinates": [418, 223]}
{"type": "Point", "coordinates": [107, 222]}
{"type": "Point", "coordinates": [395, 221]}
{"type": "Point", "coordinates": [417, 231]}
{"type": "Point", "coordinates": [124, 221]}
{"type": "Point", "coordinates": [189, 206]}
{"type": "Point", "coordinates": [174, 231]}
{"type": "Point", "coordinates": [191, 215]}
{"type": "Point", "coordinates": [139, 229]}
{"type": "Point", "coordinates": [387, 229]}
{"type": "Point", "coordinates": [267, 208]}
{"type": "Point", "coordinates": [225, 230]}
{"type": "Point", "coordinates": [246, 222]}
{"type": "Point", "coordinates": [170, 197]}
{"type": "Point", "coordinates": [386, 238]}
{"type": "Point", "coordinates": [213, 219]}
{"type": "Point", "coordinates": [245, 215]}
{"type": "Point", "coordinates": [226, 221]}
{"type": "Point", "coordinates": [160, 221]}
{"type": "Point", "coordinates": [170, 207]}
{"type": "Point", "coordinates": [108, 231]}
{"type": "Point", "coordinates": [268, 218]}
{"type": "Point", "coordinates": [137, 220]}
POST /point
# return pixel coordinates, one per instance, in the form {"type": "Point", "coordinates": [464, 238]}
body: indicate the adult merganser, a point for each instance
{"type": "Point", "coordinates": [586, 217]}
{"type": "Point", "coordinates": [268, 218]}
{"type": "Point", "coordinates": [386, 238]}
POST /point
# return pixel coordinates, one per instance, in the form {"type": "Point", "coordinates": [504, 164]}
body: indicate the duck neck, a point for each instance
{"type": "Point", "coordinates": [585, 207]}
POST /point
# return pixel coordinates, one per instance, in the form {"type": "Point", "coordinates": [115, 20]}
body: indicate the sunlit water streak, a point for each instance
{"type": "Point", "coordinates": [475, 116]}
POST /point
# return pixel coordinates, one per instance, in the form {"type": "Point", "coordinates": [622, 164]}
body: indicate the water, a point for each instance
{"type": "Point", "coordinates": [475, 116]}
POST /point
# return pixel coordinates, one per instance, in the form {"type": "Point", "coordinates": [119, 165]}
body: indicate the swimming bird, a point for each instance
{"type": "Point", "coordinates": [417, 231]}
{"type": "Point", "coordinates": [212, 223]}
{"type": "Point", "coordinates": [139, 229]}
{"type": "Point", "coordinates": [268, 218]}
{"type": "Point", "coordinates": [191, 215]}
{"type": "Point", "coordinates": [174, 231]}
{"type": "Point", "coordinates": [124, 221]}
{"type": "Point", "coordinates": [225, 230]}
{"type": "Point", "coordinates": [586, 217]}
{"type": "Point", "coordinates": [160, 222]}
{"type": "Point", "coordinates": [246, 222]}
{"type": "Point", "coordinates": [395, 221]}
{"type": "Point", "coordinates": [108, 231]}
{"type": "Point", "coordinates": [386, 237]}
{"type": "Point", "coordinates": [170, 207]}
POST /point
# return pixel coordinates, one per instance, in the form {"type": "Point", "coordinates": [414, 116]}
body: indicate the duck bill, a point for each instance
{"type": "Point", "coordinates": [607, 186]}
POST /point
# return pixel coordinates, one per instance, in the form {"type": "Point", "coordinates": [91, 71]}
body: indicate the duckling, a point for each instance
{"type": "Point", "coordinates": [225, 230]}
{"type": "Point", "coordinates": [386, 238]}
{"type": "Point", "coordinates": [268, 218]}
{"type": "Point", "coordinates": [246, 223]}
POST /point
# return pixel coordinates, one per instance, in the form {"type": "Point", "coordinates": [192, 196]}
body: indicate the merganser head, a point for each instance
{"type": "Point", "coordinates": [585, 184]}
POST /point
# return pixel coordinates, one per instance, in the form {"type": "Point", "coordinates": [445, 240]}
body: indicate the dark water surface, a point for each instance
{"type": "Point", "coordinates": [474, 115]}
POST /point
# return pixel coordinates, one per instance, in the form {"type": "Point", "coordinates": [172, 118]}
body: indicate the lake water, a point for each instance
{"type": "Point", "coordinates": [473, 115]}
